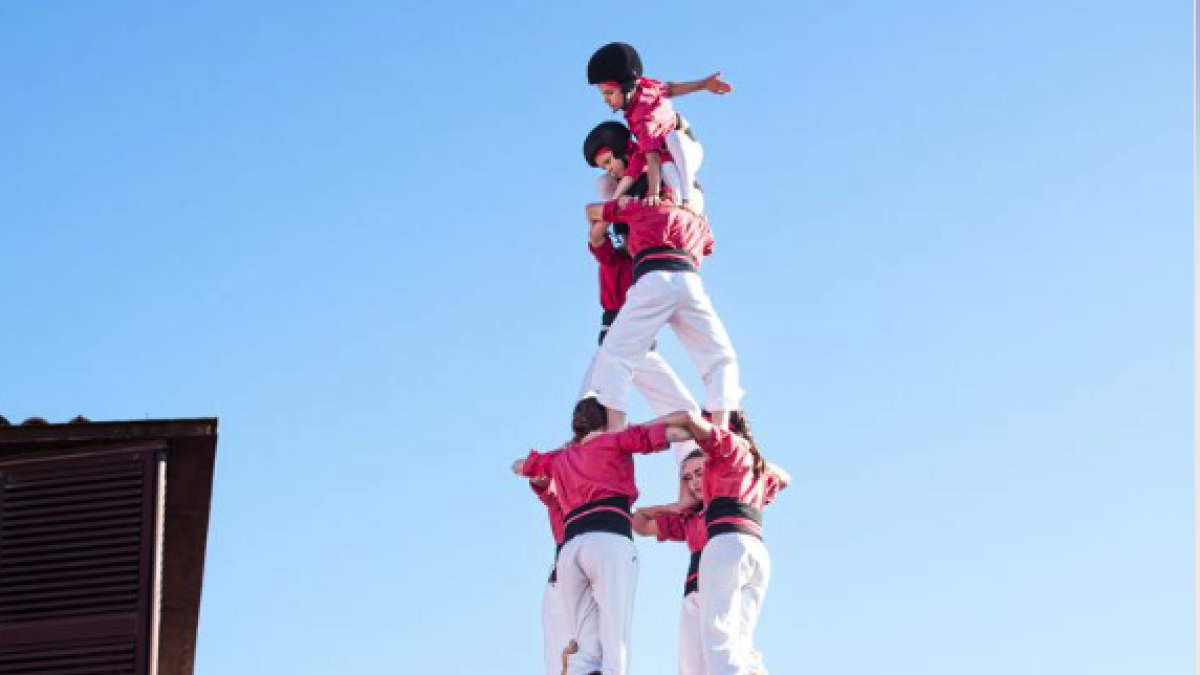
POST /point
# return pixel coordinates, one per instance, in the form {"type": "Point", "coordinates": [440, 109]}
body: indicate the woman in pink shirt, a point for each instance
{"type": "Point", "coordinates": [735, 567]}
{"type": "Point", "coordinates": [683, 522]}
{"type": "Point", "coordinates": [667, 147]}
{"type": "Point", "coordinates": [594, 476]}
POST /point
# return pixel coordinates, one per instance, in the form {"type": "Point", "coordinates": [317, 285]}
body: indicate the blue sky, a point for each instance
{"type": "Point", "coordinates": [953, 251]}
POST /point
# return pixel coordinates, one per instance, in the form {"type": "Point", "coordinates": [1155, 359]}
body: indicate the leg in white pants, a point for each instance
{"type": "Point", "coordinates": [555, 628]}
{"type": "Point", "coordinates": [662, 389]}
{"type": "Point", "coordinates": [691, 653]}
{"type": "Point", "coordinates": [602, 568]}
{"type": "Point", "coordinates": [686, 155]}
{"type": "Point", "coordinates": [558, 628]}
{"type": "Point", "coordinates": [656, 299]}
{"type": "Point", "coordinates": [734, 572]}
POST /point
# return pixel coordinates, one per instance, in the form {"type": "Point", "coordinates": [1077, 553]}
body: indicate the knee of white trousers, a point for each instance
{"type": "Point", "coordinates": [611, 380]}
{"type": "Point", "coordinates": [723, 382]}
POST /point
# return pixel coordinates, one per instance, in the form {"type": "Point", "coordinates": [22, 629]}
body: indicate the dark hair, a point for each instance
{"type": "Point", "coordinates": [589, 415]}
{"type": "Point", "coordinates": [612, 135]}
{"type": "Point", "coordinates": [740, 426]}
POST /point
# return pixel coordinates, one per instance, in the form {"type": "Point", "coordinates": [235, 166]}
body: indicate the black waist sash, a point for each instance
{"type": "Point", "coordinates": [726, 514]}
{"type": "Point", "coordinates": [662, 259]}
{"type": "Point", "coordinates": [603, 515]}
{"type": "Point", "coordinates": [554, 567]}
{"type": "Point", "coordinates": [693, 578]}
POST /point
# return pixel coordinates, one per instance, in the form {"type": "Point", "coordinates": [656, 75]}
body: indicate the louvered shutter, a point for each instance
{"type": "Point", "coordinates": [76, 563]}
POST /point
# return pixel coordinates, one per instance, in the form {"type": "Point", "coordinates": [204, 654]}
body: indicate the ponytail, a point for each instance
{"type": "Point", "coordinates": [589, 415]}
{"type": "Point", "coordinates": [740, 426]}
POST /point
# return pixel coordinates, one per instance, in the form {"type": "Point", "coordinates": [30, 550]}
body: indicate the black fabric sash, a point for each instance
{"type": "Point", "coordinates": [599, 516]}
{"type": "Point", "coordinates": [727, 507]}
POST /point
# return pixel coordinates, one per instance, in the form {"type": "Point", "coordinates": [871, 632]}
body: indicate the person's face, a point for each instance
{"type": "Point", "coordinates": [693, 476]}
{"type": "Point", "coordinates": [611, 165]}
{"type": "Point", "coordinates": [613, 97]}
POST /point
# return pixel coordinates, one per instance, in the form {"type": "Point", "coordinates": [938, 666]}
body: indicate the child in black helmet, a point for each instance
{"type": "Point", "coordinates": [668, 151]}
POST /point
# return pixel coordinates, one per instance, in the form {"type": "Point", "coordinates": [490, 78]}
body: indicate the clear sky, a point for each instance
{"type": "Point", "coordinates": [953, 251]}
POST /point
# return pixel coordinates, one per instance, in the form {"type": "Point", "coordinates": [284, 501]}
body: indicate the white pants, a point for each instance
{"type": "Point", "coordinates": [657, 299]}
{"type": "Point", "coordinates": [734, 572]}
{"type": "Point", "coordinates": [680, 172]}
{"type": "Point", "coordinates": [661, 387]}
{"type": "Point", "coordinates": [597, 576]}
{"type": "Point", "coordinates": [691, 652]}
{"type": "Point", "coordinates": [558, 630]}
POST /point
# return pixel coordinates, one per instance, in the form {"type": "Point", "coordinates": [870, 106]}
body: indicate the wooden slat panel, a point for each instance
{"type": "Point", "coordinates": [74, 564]}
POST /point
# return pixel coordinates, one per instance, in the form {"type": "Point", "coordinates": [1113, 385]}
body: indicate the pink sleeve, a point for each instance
{"type": "Point", "coordinates": [637, 164]}
{"type": "Point", "coordinates": [652, 116]}
{"type": "Point", "coordinates": [605, 254]}
{"type": "Point", "coordinates": [538, 463]}
{"type": "Point", "coordinates": [721, 444]}
{"type": "Point", "coordinates": [642, 438]}
{"type": "Point", "coordinates": [612, 211]}
{"type": "Point", "coordinates": [545, 494]}
{"type": "Point", "coordinates": [671, 526]}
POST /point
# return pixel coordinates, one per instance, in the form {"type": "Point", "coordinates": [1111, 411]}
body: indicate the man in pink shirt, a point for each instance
{"type": "Point", "coordinates": [667, 244]}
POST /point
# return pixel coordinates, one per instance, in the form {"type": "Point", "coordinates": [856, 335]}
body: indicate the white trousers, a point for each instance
{"type": "Point", "coordinates": [657, 299]}
{"type": "Point", "coordinates": [680, 173]}
{"type": "Point", "coordinates": [734, 571]}
{"type": "Point", "coordinates": [558, 629]}
{"type": "Point", "coordinates": [597, 576]}
{"type": "Point", "coordinates": [691, 652]}
{"type": "Point", "coordinates": [660, 386]}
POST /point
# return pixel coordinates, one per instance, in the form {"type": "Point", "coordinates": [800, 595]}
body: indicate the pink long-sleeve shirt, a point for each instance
{"type": "Point", "coordinates": [549, 498]}
{"type": "Point", "coordinates": [729, 471]}
{"type": "Point", "coordinates": [687, 526]}
{"type": "Point", "coordinates": [616, 274]}
{"type": "Point", "coordinates": [650, 114]}
{"type": "Point", "coordinates": [664, 225]}
{"type": "Point", "coordinates": [598, 468]}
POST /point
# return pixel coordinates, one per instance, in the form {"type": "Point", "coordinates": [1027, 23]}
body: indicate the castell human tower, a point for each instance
{"type": "Point", "coordinates": [649, 234]}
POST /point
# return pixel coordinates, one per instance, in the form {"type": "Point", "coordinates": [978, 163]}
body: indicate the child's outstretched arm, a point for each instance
{"type": "Point", "coordinates": [713, 83]}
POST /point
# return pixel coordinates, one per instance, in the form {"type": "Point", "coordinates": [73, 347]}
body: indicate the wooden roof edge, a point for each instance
{"type": "Point", "coordinates": [109, 430]}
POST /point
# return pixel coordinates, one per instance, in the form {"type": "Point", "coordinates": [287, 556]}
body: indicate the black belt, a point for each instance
{"type": "Point", "coordinates": [683, 127]}
{"type": "Point", "coordinates": [603, 515]}
{"type": "Point", "coordinates": [606, 321]}
{"type": "Point", "coordinates": [725, 514]}
{"type": "Point", "coordinates": [666, 259]}
{"type": "Point", "coordinates": [554, 567]}
{"type": "Point", "coordinates": [693, 578]}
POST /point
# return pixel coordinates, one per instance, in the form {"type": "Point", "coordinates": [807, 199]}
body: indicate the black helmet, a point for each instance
{"type": "Point", "coordinates": [611, 135]}
{"type": "Point", "coordinates": [615, 62]}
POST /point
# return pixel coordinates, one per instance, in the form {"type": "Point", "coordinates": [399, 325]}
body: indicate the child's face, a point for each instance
{"type": "Point", "coordinates": [693, 476]}
{"type": "Point", "coordinates": [613, 96]}
{"type": "Point", "coordinates": [611, 165]}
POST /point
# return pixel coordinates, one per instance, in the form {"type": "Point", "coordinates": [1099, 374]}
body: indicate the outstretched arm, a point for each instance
{"type": "Point", "coordinates": [699, 428]}
{"type": "Point", "coordinates": [713, 83]}
{"type": "Point", "coordinates": [598, 226]}
{"type": "Point", "coordinates": [643, 522]}
{"type": "Point", "coordinates": [782, 476]}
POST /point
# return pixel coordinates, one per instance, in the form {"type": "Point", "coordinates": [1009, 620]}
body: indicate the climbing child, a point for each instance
{"type": "Point", "coordinates": [668, 150]}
